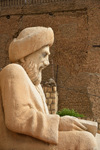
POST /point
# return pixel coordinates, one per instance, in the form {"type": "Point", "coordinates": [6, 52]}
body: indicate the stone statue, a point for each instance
{"type": "Point", "coordinates": [25, 122]}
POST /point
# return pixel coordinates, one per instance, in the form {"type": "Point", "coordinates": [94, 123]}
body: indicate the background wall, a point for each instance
{"type": "Point", "coordinates": [75, 55]}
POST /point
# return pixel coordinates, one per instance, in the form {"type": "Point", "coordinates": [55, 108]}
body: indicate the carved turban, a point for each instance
{"type": "Point", "coordinates": [30, 40]}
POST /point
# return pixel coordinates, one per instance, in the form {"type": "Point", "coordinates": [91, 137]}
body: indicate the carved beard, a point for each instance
{"type": "Point", "coordinates": [33, 72]}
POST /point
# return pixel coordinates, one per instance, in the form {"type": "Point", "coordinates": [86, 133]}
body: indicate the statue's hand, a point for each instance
{"type": "Point", "coordinates": [68, 123]}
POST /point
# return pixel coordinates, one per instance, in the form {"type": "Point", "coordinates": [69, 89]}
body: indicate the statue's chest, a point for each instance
{"type": "Point", "coordinates": [38, 98]}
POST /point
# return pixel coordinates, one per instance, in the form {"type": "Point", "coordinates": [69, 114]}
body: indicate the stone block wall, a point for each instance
{"type": "Point", "coordinates": [50, 90]}
{"type": "Point", "coordinates": [75, 53]}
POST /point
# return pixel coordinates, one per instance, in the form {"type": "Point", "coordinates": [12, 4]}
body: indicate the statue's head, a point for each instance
{"type": "Point", "coordinates": [31, 50]}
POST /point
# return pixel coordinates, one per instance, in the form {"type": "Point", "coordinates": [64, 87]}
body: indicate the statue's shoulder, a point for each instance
{"type": "Point", "coordinates": [12, 70]}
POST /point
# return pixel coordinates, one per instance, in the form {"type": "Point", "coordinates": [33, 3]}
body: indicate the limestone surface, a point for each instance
{"type": "Point", "coordinates": [91, 126]}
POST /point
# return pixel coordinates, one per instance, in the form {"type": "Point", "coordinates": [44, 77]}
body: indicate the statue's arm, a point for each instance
{"type": "Point", "coordinates": [20, 115]}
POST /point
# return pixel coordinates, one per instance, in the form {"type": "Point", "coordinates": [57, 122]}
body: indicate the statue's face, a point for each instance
{"type": "Point", "coordinates": [35, 63]}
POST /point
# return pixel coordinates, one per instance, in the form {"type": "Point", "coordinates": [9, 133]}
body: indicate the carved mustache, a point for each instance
{"type": "Point", "coordinates": [43, 65]}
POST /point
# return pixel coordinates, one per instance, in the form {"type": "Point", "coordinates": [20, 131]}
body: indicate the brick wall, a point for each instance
{"type": "Point", "coordinates": [75, 60]}
{"type": "Point", "coordinates": [50, 90]}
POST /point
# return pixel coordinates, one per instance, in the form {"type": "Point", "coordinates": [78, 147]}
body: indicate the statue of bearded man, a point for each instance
{"type": "Point", "coordinates": [25, 122]}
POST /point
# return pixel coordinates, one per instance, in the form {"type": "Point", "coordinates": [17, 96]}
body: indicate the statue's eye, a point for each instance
{"type": "Point", "coordinates": [44, 54]}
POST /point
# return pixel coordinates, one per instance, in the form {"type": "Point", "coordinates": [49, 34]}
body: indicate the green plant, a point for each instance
{"type": "Point", "coordinates": [69, 112]}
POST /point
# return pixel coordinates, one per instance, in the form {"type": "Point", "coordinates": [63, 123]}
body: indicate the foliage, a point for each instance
{"type": "Point", "coordinates": [69, 112]}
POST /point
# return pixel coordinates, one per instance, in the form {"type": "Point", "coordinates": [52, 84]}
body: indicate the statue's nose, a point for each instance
{"type": "Point", "coordinates": [46, 63]}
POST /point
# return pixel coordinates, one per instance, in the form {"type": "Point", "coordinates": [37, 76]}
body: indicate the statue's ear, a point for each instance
{"type": "Point", "coordinates": [22, 60]}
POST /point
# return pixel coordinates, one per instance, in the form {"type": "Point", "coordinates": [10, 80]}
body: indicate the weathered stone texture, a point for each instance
{"type": "Point", "coordinates": [75, 63]}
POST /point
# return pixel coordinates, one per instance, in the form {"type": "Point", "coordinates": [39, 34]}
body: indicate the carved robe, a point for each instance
{"type": "Point", "coordinates": [24, 119]}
